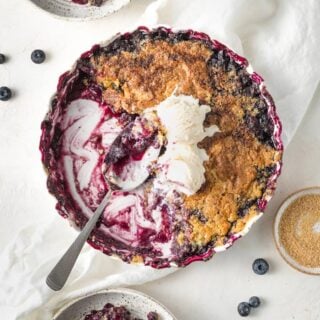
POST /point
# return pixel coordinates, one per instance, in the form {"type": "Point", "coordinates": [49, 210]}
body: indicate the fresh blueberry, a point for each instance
{"type": "Point", "coordinates": [254, 302]}
{"type": "Point", "coordinates": [244, 309]}
{"type": "Point", "coordinates": [2, 58]}
{"type": "Point", "coordinates": [260, 266]}
{"type": "Point", "coordinates": [5, 93]}
{"type": "Point", "coordinates": [38, 56]}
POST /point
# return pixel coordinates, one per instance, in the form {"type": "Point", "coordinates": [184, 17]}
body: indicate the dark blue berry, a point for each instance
{"type": "Point", "coordinates": [244, 309]}
{"type": "Point", "coordinates": [260, 266]}
{"type": "Point", "coordinates": [38, 56]}
{"type": "Point", "coordinates": [2, 58]}
{"type": "Point", "coordinates": [254, 302]}
{"type": "Point", "coordinates": [5, 93]}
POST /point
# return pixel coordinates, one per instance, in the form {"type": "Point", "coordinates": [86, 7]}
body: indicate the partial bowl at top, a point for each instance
{"type": "Point", "coordinates": [111, 86]}
{"type": "Point", "coordinates": [70, 10]}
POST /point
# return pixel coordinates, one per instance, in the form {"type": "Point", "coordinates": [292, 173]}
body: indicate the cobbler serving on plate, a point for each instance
{"type": "Point", "coordinates": [96, 3]}
{"type": "Point", "coordinates": [195, 103]}
{"type": "Point", "coordinates": [111, 312]}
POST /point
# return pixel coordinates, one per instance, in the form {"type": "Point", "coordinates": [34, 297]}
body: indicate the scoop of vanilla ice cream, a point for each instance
{"type": "Point", "coordinates": [182, 117]}
{"type": "Point", "coordinates": [185, 167]}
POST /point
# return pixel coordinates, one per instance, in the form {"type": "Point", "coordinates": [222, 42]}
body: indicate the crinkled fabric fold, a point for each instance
{"type": "Point", "coordinates": [279, 38]}
{"type": "Point", "coordinates": [26, 262]}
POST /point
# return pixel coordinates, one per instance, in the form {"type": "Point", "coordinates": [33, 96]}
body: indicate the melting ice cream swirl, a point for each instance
{"type": "Point", "coordinates": [137, 218]}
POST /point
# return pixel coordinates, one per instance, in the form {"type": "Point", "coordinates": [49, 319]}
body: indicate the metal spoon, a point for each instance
{"type": "Point", "coordinates": [60, 273]}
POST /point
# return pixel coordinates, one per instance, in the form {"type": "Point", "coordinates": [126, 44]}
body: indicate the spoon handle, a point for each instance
{"type": "Point", "coordinates": [60, 273]}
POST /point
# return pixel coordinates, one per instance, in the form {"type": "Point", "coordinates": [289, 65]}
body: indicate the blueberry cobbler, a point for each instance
{"type": "Point", "coordinates": [96, 3]}
{"type": "Point", "coordinates": [111, 312]}
{"type": "Point", "coordinates": [189, 111]}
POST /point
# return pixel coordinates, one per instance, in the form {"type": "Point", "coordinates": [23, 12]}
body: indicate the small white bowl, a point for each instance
{"type": "Point", "coordinates": [138, 303]}
{"type": "Point", "coordinates": [72, 11]}
{"type": "Point", "coordinates": [293, 263]}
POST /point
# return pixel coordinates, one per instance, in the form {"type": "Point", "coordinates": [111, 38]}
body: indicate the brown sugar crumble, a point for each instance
{"type": "Point", "coordinates": [299, 230]}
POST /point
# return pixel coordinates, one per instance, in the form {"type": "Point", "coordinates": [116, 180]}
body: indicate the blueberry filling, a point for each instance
{"type": "Point", "coordinates": [112, 312]}
{"type": "Point", "coordinates": [182, 36]}
{"type": "Point", "coordinates": [262, 127]}
{"type": "Point", "coordinates": [259, 123]}
{"type": "Point", "coordinates": [264, 173]}
{"type": "Point", "coordinates": [159, 34]}
{"type": "Point", "coordinates": [127, 43]}
{"type": "Point", "coordinates": [245, 207]}
{"type": "Point", "coordinates": [129, 146]}
{"type": "Point", "coordinates": [152, 316]}
{"type": "Point", "coordinates": [56, 141]}
{"type": "Point", "coordinates": [97, 3]}
{"type": "Point", "coordinates": [247, 85]}
{"type": "Point", "coordinates": [129, 158]}
{"type": "Point", "coordinates": [199, 215]}
{"type": "Point", "coordinates": [221, 59]}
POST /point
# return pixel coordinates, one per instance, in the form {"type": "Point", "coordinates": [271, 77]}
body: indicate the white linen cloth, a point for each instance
{"type": "Point", "coordinates": [280, 39]}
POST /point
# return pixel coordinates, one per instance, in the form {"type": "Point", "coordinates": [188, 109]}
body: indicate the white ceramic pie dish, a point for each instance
{"type": "Point", "coordinates": [272, 180]}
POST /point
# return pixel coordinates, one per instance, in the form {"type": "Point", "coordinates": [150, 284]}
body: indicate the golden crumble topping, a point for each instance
{"type": "Point", "coordinates": [139, 79]}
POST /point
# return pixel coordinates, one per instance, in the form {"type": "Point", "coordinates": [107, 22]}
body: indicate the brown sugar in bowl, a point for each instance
{"type": "Point", "coordinates": [297, 230]}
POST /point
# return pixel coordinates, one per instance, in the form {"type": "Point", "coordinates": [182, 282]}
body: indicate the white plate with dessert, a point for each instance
{"type": "Point", "coordinates": [124, 304]}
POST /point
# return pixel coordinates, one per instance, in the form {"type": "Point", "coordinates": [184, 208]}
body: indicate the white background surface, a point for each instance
{"type": "Point", "coordinates": [209, 291]}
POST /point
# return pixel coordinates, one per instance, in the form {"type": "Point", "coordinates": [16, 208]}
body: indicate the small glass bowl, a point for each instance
{"type": "Point", "coordinates": [282, 250]}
